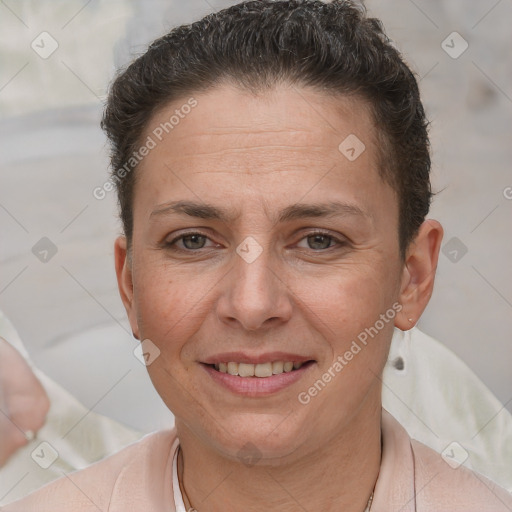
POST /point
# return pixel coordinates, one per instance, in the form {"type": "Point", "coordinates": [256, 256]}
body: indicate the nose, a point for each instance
{"type": "Point", "coordinates": [255, 295]}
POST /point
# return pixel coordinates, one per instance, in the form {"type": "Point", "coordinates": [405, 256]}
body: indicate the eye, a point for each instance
{"type": "Point", "coordinates": [194, 241]}
{"type": "Point", "coordinates": [319, 240]}
{"type": "Point", "coordinates": [191, 241]}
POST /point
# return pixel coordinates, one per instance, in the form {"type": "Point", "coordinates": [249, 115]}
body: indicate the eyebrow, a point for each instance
{"type": "Point", "coordinates": [292, 212]}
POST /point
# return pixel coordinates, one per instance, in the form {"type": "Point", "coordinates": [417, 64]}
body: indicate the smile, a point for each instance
{"type": "Point", "coordinates": [257, 380]}
{"type": "Point", "coordinates": [257, 370]}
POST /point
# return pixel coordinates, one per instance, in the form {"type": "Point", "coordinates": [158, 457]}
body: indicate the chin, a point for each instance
{"type": "Point", "coordinates": [257, 438]}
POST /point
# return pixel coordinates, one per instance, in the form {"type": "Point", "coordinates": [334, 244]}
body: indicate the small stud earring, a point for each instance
{"type": "Point", "coordinates": [410, 319]}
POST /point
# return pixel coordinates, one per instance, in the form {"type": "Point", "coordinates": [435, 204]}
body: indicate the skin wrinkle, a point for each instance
{"type": "Point", "coordinates": [320, 149]}
{"type": "Point", "coordinates": [195, 305]}
{"type": "Point", "coordinates": [249, 172]}
{"type": "Point", "coordinates": [253, 131]}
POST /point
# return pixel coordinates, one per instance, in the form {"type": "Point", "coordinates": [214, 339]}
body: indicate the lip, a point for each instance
{"type": "Point", "coordinates": [257, 386]}
{"type": "Point", "coordinates": [244, 357]}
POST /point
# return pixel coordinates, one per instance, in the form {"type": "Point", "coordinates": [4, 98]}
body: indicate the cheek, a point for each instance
{"type": "Point", "coordinates": [350, 298]}
{"type": "Point", "coordinates": [172, 304]}
{"type": "Point", "coordinates": [168, 314]}
{"type": "Point", "coordinates": [347, 313]}
{"type": "Point", "coordinates": [162, 302]}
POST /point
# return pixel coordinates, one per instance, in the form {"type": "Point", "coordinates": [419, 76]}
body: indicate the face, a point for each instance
{"type": "Point", "coordinates": [289, 254]}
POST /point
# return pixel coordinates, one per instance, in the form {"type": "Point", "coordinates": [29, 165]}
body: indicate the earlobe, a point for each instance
{"type": "Point", "coordinates": [419, 273]}
{"type": "Point", "coordinates": [124, 275]}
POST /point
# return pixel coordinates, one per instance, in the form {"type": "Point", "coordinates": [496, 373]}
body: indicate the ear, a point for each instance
{"type": "Point", "coordinates": [418, 273]}
{"type": "Point", "coordinates": [125, 281]}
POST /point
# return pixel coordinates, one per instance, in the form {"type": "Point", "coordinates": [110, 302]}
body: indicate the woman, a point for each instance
{"type": "Point", "coordinates": [272, 169]}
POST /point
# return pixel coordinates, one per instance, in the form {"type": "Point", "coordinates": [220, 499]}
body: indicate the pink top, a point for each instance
{"type": "Point", "coordinates": [139, 477]}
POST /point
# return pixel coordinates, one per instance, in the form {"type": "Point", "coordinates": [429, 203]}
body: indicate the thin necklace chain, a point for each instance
{"type": "Point", "coordinates": [370, 501]}
{"type": "Point", "coordinates": [190, 508]}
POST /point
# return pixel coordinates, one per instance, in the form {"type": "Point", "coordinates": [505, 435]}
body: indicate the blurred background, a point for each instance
{"type": "Point", "coordinates": [57, 280]}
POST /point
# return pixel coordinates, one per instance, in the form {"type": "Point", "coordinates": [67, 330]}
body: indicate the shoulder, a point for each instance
{"type": "Point", "coordinates": [442, 484]}
{"type": "Point", "coordinates": [92, 488]}
{"type": "Point", "coordinates": [415, 478]}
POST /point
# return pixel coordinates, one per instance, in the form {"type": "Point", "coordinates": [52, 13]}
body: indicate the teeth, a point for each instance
{"type": "Point", "coordinates": [263, 370]}
{"type": "Point", "coordinates": [233, 368]}
{"type": "Point", "coordinates": [277, 367]}
{"type": "Point", "coordinates": [245, 370]}
{"type": "Point", "coordinates": [257, 370]}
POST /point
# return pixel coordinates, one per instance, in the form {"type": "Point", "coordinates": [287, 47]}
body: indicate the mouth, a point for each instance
{"type": "Point", "coordinates": [257, 379]}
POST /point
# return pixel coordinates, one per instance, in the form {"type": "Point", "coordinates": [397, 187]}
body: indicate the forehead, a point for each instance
{"type": "Point", "coordinates": [226, 111]}
{"type": "Point", "coordinates": [283, 140]}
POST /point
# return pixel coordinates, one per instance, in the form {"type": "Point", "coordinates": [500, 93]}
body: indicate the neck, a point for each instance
{"type": "Point", "coordinates": [339, 476]}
